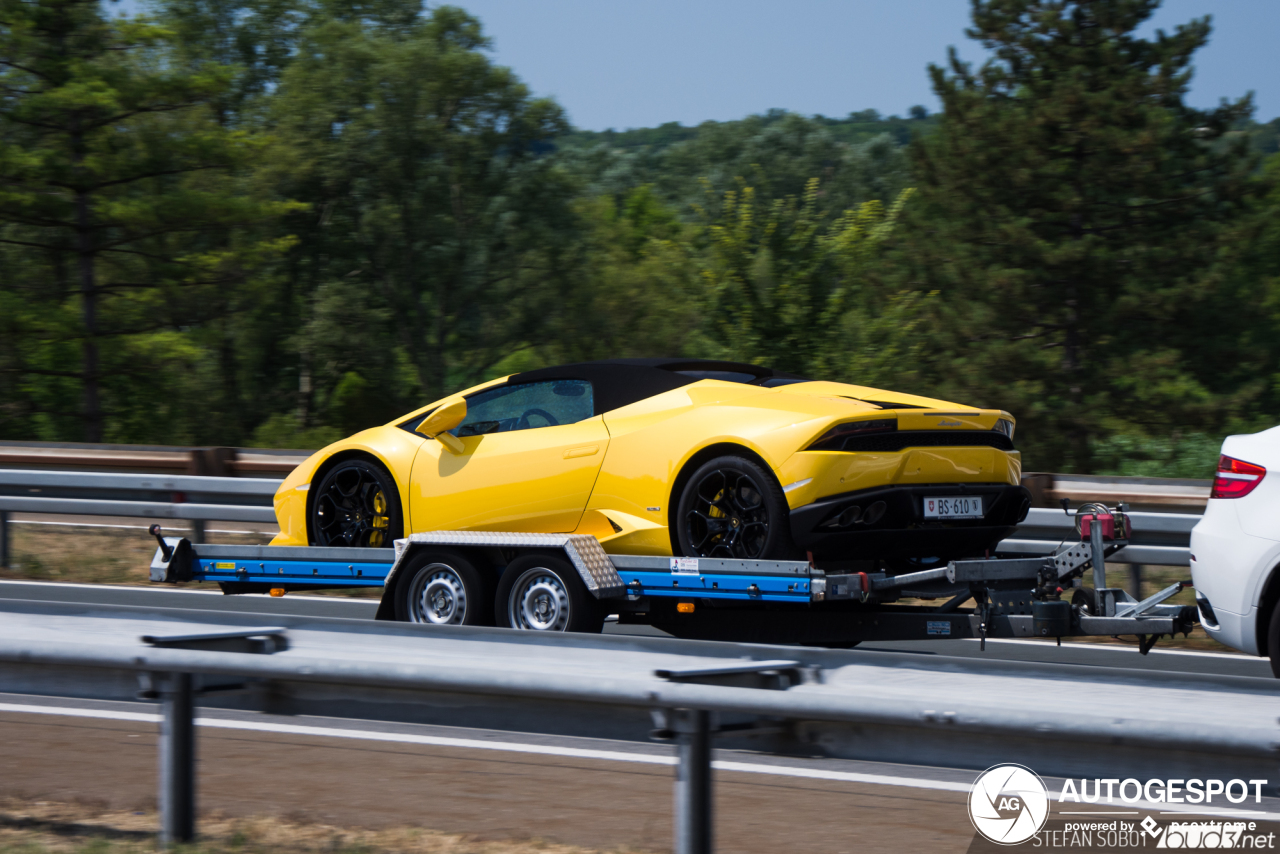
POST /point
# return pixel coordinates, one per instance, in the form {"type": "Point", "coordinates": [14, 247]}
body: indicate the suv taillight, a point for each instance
{"type": "Point", "coordinates": [1236, 478]}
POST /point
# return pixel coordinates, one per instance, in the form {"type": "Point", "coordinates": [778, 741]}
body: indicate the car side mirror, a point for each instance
{"type": "Point", "coordinates": [438, 424]}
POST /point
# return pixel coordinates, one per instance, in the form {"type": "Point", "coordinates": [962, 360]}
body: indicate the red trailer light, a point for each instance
{"type": "Point", "coordinates": [1106, 522]}
{"type": "Point", "coordinates": [1236, 478]}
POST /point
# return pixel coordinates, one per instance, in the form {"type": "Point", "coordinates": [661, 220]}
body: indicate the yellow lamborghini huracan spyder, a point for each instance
{"type": "Point", "coordinates": [674, 457]}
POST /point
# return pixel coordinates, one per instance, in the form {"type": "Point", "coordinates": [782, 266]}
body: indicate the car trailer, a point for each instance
{"type": "Point", "coordinates": [550, 581]}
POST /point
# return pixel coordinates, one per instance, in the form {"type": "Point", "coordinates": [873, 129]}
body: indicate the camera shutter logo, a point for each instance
{"type": "Point", "coordinates": [1008, 804]}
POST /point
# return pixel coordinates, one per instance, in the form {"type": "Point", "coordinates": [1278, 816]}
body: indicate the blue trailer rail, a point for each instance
{"type": "Point", "coordinates": [289, 568]}
{"type": "Point", "coordinates": [712, 579]}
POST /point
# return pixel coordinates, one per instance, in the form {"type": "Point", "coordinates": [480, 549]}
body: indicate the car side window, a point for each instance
{"type": "Point", "coordinates": [526, 406]}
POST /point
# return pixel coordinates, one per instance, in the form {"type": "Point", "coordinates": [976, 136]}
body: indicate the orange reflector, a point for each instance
{"type": "Point", "coordinates": [684, 607]}
{"type": "Point", "coordinates": [277, 591]}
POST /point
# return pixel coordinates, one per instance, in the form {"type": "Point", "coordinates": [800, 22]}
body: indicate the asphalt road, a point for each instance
{"type": "Point", "coordinates": [1083, 654]}
{"type": "Point", "coordinates": [352, 781]}
{"type": "Point", "coordinates": [590, 792]}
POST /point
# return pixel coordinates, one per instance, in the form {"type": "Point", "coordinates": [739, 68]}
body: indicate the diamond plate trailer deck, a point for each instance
{"type": "Point", "coordinates": [716, 598]}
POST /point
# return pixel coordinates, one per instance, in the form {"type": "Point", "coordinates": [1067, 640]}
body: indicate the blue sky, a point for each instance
{"type": "Point", "coordinates": [639, 64]}
{"type": "Point", "coordinates": [614, 64]}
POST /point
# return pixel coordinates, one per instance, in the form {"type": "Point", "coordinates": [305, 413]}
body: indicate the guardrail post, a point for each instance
{"type": "Point", "coordinates": [4, 538]}
{"type": "Point", "coordinates": [178, 729]}
{"type": "Point", "coordinates": [177, 761]}
{"type": "Point", "coordinates": [197, 531]}
{"type": "Point", "coordinates": [693, 822]}
{"type": "Point", "coordinates": [1135, 581]}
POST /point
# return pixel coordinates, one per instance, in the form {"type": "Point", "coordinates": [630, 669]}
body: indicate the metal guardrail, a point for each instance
{"type": "Point", "coordinates": [148, 496]}
{"type": "Point", "coordinates": [1140, 492]}
{"type": "Point", "coordinates": [202, 461]}
{"type": "Point", "coordinates": [1157, 539]}
{"type": "Point", "coordinates": [906, 708]}
{"type": "Point", "coordinates": [145, 495]}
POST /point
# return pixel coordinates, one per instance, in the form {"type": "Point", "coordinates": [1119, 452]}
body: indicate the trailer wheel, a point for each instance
{"type": "Point", "coordinates": [443, 589]}
{"type": "Point", "coordinates": [541, 593]}
{"type": "Point", "coordinates": [732, 508]}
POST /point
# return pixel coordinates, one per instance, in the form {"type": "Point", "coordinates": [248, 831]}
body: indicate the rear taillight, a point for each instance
{"type": "Point", "coordinates": [1236, 478]}
{"type": "Point", "coordinates": [833, 439]}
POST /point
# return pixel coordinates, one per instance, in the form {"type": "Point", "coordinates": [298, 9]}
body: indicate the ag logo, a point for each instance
{"type": "Point", "coordinates": [1008, 804]}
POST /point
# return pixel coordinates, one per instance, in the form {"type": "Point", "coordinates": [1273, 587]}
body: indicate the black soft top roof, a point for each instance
{"type": "Point", "coordinates": [618, 382]}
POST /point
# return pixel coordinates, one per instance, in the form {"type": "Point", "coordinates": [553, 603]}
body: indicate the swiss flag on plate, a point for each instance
{"type": "Point", "coordinates": [931, 506]}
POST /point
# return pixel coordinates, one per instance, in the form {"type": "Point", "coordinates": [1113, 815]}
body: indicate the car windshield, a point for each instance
{"type": "Point", "coordinates": [526, 406]}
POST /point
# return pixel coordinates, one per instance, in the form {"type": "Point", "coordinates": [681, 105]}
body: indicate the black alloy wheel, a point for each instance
{"type": "Point", "coordinates": [356, 505]}
{"type": "Point", "coordinates": [733, 508]}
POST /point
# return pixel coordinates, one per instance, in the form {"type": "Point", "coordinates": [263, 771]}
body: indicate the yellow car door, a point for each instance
{"type": "Point", "coordinates": [530, 456]}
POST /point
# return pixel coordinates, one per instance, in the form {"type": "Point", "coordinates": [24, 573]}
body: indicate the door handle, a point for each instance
{"type": "Point", "coordinates": [584, 451]}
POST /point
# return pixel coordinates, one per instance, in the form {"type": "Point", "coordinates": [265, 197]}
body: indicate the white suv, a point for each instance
{"type": "Point", "coordinates": [1235, 548]}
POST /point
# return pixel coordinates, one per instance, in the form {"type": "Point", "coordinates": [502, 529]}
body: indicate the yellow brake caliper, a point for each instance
{"type": "Point", "coordinates": [380, 521]}
{"type": "Point", "coordinates": [716, 513]}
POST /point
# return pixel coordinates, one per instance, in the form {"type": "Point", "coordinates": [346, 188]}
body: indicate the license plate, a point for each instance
{"type": "Point", "coordinates": [953, 507]}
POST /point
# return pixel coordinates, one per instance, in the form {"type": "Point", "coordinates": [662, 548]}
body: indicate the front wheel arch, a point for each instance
{"type": "Point", "coordinates": [317, 477]}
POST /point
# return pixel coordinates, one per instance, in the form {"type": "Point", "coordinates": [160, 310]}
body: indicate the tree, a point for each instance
{"type": "Point", "coordinates": [432, 193]}
{"type": "Point", "coordinates": [109, 163]}
{"type": "Point", "coordinates": [635, 291]}
{"type": "Point", "coordinates": [776, 154]}
{"type": "Point", "coordinates": [1070, 205]}
{"type": "Point", "coordinates": [248, 41]}
{"type": "Point", "coordinates": [246, 361]}
{"type": "Point", "coordinates": [779, 282]}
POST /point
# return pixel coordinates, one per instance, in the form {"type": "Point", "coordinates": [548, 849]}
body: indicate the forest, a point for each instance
{"type": "Point", "coordinates": [277, 222]}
